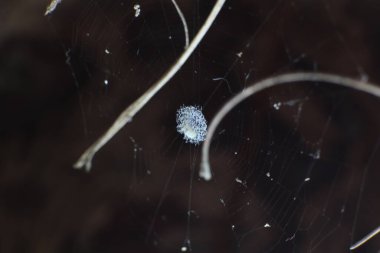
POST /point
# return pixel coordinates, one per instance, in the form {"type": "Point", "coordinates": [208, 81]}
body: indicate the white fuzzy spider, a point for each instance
{"type": "Point", "coordinates": [192, 124]}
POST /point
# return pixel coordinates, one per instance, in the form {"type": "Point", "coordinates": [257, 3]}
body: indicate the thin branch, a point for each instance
{"type": "Point", "coordinates": [205, 169]}
{"type": "Point", "coordinates": [366, 238]}
{"type": "Point", "coordinates": [126, 116]}
{"type": "Point", "coordinates": [185, 29]}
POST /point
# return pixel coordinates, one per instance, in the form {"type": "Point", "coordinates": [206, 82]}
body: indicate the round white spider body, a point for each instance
{"type": "Point", "coordinates": [191, 124]}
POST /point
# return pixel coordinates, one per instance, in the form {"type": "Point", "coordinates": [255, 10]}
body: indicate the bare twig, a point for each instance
{"type": "Point", "coordinates": [365, 238]}
{"type": "Point", "coordinates": [126, 116]}
{"type": "Point", "coordinates": [205, 169]}
{"type": "Point", "coordinates": [185, 29]}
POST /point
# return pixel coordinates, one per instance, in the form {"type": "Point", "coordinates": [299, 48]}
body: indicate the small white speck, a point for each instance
{"type": "Point", "coordinates": [307, 179]}
{"type": "Point", "coordinates": [316, 155]}
{"type": "Point", "coordinates": [137, 10]}
{"type": "Point", "coordinates": [277, 105]}
{"type": "Point", "coordinates": [222, 201]}
{"type": "Point", "coordinates": [233, 227]}
{"type": "Point", "coordinates": [183, 248]}
{"type": "Point", "coordinates": [106, 82]}
{"type": "Point", "coordinates": [51, 7]}
{"type": "Point", "coordinates": [239, 54]}
{"type": "Point", "coordinates": [268, 174]}
{"type": "Point", "coordinates": [235, 153]}
{"type": "Point", "coordinates": [242, 182]}
{"type": "Point", "coordinates": [170, 37]}
{"type": "Point", "coordinates": [107, 51]}
{"type": "Point", "coordinates": [266, 225]}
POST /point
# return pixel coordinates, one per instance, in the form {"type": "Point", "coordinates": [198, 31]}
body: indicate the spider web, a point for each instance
{"type": "Point", "coordinates": [291, 165]}
{"type": "Point", "coordinates": [295, 167]}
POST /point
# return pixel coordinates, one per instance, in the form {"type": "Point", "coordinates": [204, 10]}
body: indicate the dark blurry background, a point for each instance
{"type": "Point", "coordinates": [296, 167]}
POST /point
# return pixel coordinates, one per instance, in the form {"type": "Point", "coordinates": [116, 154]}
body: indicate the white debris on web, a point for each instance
{"type": "Point", "coordinates": [191, 124]}
{"type": "Point", "coordinates": [137, 9]}
{"type": "Point", "coordinates": [51, 7]}
{"type": "Point", "coordinates": [277, 106]}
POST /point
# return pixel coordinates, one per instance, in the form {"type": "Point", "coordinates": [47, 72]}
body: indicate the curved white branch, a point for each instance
{"type": "Point", "coordinates": [365, 238]}
{"type": "Point", "coordinates": [184, 23]}
{"type": "Point", "coordinates": [205, 169]}
{"type": "Point", "coordinates": [126, 116]}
